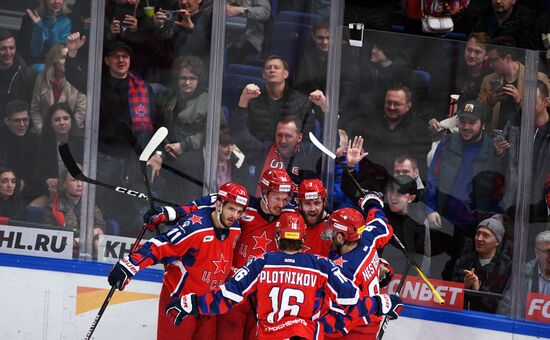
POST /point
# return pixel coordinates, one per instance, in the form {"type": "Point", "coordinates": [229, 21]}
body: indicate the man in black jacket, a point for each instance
{"type": "Point", "coordinates": [16, 78]}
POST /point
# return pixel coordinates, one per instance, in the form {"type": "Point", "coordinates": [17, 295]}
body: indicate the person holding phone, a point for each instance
{"type": "Point", "coordinates": [502, 90]}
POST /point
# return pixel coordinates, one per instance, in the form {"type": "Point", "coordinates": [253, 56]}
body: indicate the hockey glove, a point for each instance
{"type": "Point", "coordinates": [179, 308]}
{"type": "Point", "coordinates": [121, 273]}
{"type": "Point", "coordinates": [159, 215]}
{"type": "Point", "coordinates": [371, 199]}
{"type": "Point", "coordinates": [388, 304]}
{"type": "Point", "coordinates": [385, 273]}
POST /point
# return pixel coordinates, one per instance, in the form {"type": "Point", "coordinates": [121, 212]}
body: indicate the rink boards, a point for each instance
{"type": "Point", "coordinates": [51, 298]}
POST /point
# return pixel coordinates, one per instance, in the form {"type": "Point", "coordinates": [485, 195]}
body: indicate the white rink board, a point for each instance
{"type": "Point", "coordinates": [39, 304]}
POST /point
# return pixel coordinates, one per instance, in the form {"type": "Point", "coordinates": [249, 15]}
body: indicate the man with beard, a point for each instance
{"type": "Point", "coordinates": [312, 196]}
{"type": "Point", "coordinates": [198, 252]}
{"type": "Point", "coordinates": [357, 244]}
{"type": "Point", "coordinates": [464, 183]}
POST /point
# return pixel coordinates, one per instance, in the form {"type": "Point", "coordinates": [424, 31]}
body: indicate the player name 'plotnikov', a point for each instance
{"type": "Point", "coordinates": [294, 278]}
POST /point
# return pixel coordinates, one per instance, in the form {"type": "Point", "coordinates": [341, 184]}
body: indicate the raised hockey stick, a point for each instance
{"type": "Point", "coordinates": [155, 141]}
{"type": "Point", "coordinates": [396, 242]}
{"type": "Point", "coordinates": [133, 142]}
{"type": "Point", "coordinates": [72, 167]}
{"type": "Point", "coordinates": [398, 292]}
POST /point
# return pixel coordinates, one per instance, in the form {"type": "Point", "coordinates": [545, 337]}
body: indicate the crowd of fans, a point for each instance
{"type": "Point", "coordinates": [433, 124]}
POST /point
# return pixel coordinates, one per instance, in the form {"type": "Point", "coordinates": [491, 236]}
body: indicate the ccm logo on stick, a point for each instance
{"type": "Point", "coordinates": [131, 192]}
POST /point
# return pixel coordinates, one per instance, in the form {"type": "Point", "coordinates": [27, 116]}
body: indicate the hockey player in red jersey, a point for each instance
{"type": "Point", "coordinates": [312, 197]}
{"type": "Point", "coordinates": [291, 289]}
{"type": "Point", "coordinates": [197, 252]}
{"type": "Point", "coordinates": [356, 245]}
{"type": "Point", "coordinates": [257, 238]}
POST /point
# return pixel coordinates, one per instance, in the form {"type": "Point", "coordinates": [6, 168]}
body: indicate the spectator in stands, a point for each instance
{"type": "Point", "coordinates": [43, 27]}
{"type": "Point", "coordinates": [11, 203]}
{"type": "Point", "coordinates": [60, 127]}
{"type": "Point", "coordinates": [464, 183]}
{"type": "Point", "coordinates": [381, 69]}
{"type": "Point", "coordinates": [467, 78]}
{"type": "Point", "coordinates": [311, 74]}
{"type": "Point", "coordinates": [288, 152]}
{"type": "Point", "coordinates": [537, 275]}
{"type": "Point", "coordinates": [16, 78]}
{"type": "Point", "coordinates": [393, 132]}
{"type": "Point", "coordinates": [64, 211]}
{"type": "Point", "coordinates": [406, 165]}
{"type": "Point", "coordinates": [249, 39]}
{"type": "Point", "coordinates": [19, 145]}
{"type": "Point", "coordinates": [52, 87]}
{"type": "Point", "coordinates": [540, 206]}
{"type": "Point", "coordinates": [400, 194]}
{"type": "Point", "coordinates": [506, 18]}
{"type": "Point", "coordinates": [232, 167]}
{"type": "Point", "coordinates": [503, 89]}
{"type": "Point", "coordinates": [260, 110]}
{"type": "Point", "coordinates": [486, 269]}
{"type": "Point", "coordinates": [184, 32]}
{"type": "Point", "coordinates": [183, 108]}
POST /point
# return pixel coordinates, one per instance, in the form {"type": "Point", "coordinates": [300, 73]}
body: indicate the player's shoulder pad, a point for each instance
{"type": "Point", "coordinates": [205, 201]}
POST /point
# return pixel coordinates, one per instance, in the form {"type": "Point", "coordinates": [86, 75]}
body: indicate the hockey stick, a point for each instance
{"type": "Point", "coordinates": [133, 142]}
{"type": "Point", "coordinates": [398, 292]}
{"type": "Point", "coordinates": [72, 167]}
{"type": "Point", "coordinates": [155, 141]}
{"type": "Point", "coordinates": [396, 240]}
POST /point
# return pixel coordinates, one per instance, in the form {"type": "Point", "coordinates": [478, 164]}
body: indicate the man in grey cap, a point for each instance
{"type": "Point", "coordinates": [464, 184]}
{"type": "Point", "coordinates": [486, 269]}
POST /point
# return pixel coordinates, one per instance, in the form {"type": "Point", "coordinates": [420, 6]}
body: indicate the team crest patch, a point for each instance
{"type": "Point", "coordinates": [247, 218]}
{"type": "Point", "coordinates": [195, 219]}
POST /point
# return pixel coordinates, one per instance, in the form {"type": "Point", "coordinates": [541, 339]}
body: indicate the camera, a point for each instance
{"type": "Point", "coordinates": [499, 135]}
{"type": "Point", "coordinates": [171, 16]}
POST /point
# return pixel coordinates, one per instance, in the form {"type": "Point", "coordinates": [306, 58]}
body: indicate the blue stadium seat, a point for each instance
{"type": "Point", "coordinates": [288, 40]}
{"type": "Point", "coordinates": [35, 214]}
{"type": "Point", "coordinates": [544, 6]}
{"type": "Point", "coordinates": [298, 17]}
{"type": "Point", "coordinates": [245, 70]}
{"type": "Point", "coordinates": [233, 85]}
{"type": "Point", "coordinates": [112, 226]}
{"type": "Point", "coordinates": [424, 77]}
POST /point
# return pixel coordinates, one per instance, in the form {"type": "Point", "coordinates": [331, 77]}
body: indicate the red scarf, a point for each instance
{"type": "Point", "coordinates": [57, 88]}
{"type": "Point", "coordinates": [139, 104]}
{"type": "Point", "coordinates": [59, 216]}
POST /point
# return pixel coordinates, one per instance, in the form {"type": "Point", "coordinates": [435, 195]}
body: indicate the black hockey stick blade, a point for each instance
{"type": "Point", "coordinates": [72, 167]}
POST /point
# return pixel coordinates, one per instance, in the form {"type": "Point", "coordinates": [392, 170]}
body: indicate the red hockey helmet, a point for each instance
{"type": "Point", "coordinates": [311, 189]}
{"type": "Point", "coordinates": [348, 221]}
{"type": "Point", "coordinates": [275, 180]}
{"type": "Point", "coordinates": [290, 226]}
{"type": "Point", "coordinates": [235, 193]}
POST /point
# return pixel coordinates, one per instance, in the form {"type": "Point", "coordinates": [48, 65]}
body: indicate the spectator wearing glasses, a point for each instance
{"type": "Point", "coordinates": [19, 145]}
{"type": "Point", "coordinates": [537, 273]}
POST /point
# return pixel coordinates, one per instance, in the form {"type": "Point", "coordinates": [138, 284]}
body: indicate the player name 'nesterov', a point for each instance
{"type": "Point", "coordinates": [294, 278]}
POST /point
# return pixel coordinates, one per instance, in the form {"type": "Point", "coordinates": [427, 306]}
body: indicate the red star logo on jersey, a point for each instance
{"type": "Point", "coordinates": [340, 261]}
{"type": "Point", "coordinates": [261, 242]}
{"type": "Point", "coordinates": [220, 264]}
{"type": "Point", "coordinates": [196, 219]}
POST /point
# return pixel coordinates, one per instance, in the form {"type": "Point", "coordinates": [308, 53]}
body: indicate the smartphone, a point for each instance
{"type": "Point", "coordinates": [496, 85]}
{"type": "Point", "coordinates": [356, 34]}
{"type": "Point", "coordinates": [499, 135]}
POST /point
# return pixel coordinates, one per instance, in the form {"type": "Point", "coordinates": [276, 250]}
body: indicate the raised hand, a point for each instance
{"type": "Point", "coordinates": [318, 98]}
{"type": "Point", "coordinates": [35, 17]}
{"type": "Point", "coordinates": [74, 43]}
{"type": "Point", "coordinates": [354, 152]}
{"type": "Point", "coordinates": [371, 199]}
{"type": "Point", "coordinates": [185, 20]}
{"type": "Point", "coordinates": [130, 22]}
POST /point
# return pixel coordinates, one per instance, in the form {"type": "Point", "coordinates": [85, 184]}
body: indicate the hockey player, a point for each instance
{"type": "Point", "coordinates": [198, 253]}
{"type": "Point", "coordinates": [257, 238]}
{"type": "Point", "coordinates": [290, 287]}
{"type": "Point", "coordinates": [312, 197]}
{"type": "Point", "coordinates": [356, 245]}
